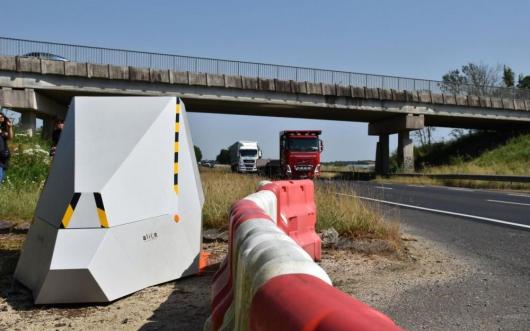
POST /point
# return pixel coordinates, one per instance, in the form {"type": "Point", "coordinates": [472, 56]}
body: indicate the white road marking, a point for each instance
{"type": "Point", "coordinates": [384, 188]}
{"type": "Point", "coordinates": [519, 195]}
{"type": "Point", "coordinates": [510, 202]}
{"type": "Point", "coordinates": [517, 225]}
{"type": "Point", "coordinates": [460, 189]}
{"type": "Point", "coordinates": [416, 185]}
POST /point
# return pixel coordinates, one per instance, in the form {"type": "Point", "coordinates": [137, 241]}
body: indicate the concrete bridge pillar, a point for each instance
{"type": "Point", "coordinates": [48, 124]}
{"type": "Point", "coordinates": [28, 122]}
{"type": "Point", "coordinates": [405, 151]}
{"type": "Point", "coordinates": [381, 156]}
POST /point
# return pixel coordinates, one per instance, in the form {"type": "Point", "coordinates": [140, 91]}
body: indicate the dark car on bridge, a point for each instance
{"type": "Point", "coordinates": [46, 56]}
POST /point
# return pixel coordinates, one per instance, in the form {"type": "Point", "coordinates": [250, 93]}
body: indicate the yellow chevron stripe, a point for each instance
{"type": "Point", "coordinates": [177, 126]}
{"type": "Point", "coordinates": [103, 221]}
{"type": "Point", "coordinates": [67, 216]}
{"type": "Point", "coordinates": [176, 188]}
{"type": "Point", "coordinates": [176, 168]}
{"type": "Point", "coordinates": [176, 146]}
{"type": "Point", "coordinates": [177, 109]}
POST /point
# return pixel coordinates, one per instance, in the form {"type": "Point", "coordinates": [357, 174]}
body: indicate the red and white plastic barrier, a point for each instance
{"type": "Point", "coordinates": [269, 280]}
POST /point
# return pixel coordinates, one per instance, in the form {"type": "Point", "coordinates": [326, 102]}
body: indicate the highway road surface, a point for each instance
{"type": "Point", "coordinates": [489, 231]}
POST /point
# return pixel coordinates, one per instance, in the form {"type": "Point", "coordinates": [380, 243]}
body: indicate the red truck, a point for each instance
{"type": "Point", "coordinates": [299, 155]}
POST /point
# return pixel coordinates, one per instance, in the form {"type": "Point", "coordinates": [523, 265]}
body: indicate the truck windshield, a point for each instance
{"type": "Point", "coordinates": [303, 144]}
{"type": "Point", "coordinates": [248, 152]}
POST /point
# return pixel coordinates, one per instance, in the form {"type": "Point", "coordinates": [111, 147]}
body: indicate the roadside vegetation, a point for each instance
{"type": "Point", "coordinates": [478, 153]}
{"type": "Point", "coordinates": [27, 172]}
{"type": "Point", "coordinates": [349, 216]}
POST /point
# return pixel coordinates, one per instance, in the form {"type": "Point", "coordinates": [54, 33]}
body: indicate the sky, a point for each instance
{"type": "Point", "coordinates": [420, 39]}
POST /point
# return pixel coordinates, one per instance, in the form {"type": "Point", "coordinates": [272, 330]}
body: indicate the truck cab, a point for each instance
{"type": "Point", "coordinates": [244, 156]}
{"type": "Point", "coordinates": [300, 153]}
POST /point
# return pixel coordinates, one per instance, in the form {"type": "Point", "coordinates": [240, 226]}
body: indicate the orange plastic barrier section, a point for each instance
{"type": "Point", "coordinates": [303, 302]}
{"type": "Point", "coordinates": [297, 213]}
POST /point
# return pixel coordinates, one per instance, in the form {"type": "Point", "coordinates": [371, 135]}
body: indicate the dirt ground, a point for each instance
{"type": "Point", "coordinates": [184, 304]}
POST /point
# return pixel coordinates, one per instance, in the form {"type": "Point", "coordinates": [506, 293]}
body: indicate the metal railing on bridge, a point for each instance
{"type": "Point", "coordinates": [122, 57]}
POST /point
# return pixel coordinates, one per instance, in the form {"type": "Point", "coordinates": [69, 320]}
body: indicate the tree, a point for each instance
{"type": "Point", "coordinates": [524, 81]}
{"type": "Point", "coordinates": [473, 79]}
{"type": "Point", "coordinates": [453, 82]}
{"type": "Point", "coordinates": [424, 136]}
{"type": "Point", "coordinates": [223, 157]}
{"type": "Point", "coordinates": [198, 153]}
{"type": "Point", "coordinates": [508, 77]}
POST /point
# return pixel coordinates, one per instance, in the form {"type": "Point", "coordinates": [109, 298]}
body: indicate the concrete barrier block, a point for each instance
{"type": "Point", "coordinates": [139, 74]}
{"type": "Point", "coordinates": [424, 97]}
{"type": "Point", "coordinates": [398, 95]}
{"type": "Point", "coordinates": [266, 84]}
{"type": "Point", "coordinates": [328, 89]}
{"type": "Point", "coordinates": [507, 103]}
{"type": "Point", "coordinates": [519, 104]}
{"type": "Point", "coordinates": [300, 87]}
{"type": "Point", "coordinates": [197, 78]}
{"type": "Point", "coordinates": [449, 99]}
{"type": "Point", "coordinates": [215, 80]}
{"type": "Point", "coordinates": [473, 101]}
{"type": "Point", "coordinates": [28, 64]}
{"type": "Point", "coordinates": [343, 91]}
{"type": "Point", "coordinates": [250, 83]}
{"type": "Point", "coordinates": [485, 102]}
{"type": "Point", "coordinates": [75, 69]}
{"type": "Point", "coordinates": [98, 70]}
{"type": "Point", "coordinates": [179, 77]}
{"type": "Point", "coordinates": [357, 92]}
{"type": "Point", "coordinates": [461, 100]}
{"type": "Point", "coordinates": [314, 88]}
{"type": "Point", "coordinates": [385, 94]}
{"type": "Point", "coordinates": [437, 98]}
{"type": "Point", "coordinates": [283, 86]}
{"type": "Point", "coordinates": [496, 103]}
{"type": "Point", "coordinates": [159, 76]}
{"type": "Point", "coordinates": [8, 63]}
{"type": "Point", "coordinates": [52, 67]}
{"type": "Point", "coordinates": [118, 72]}
{"type": "Point", "coordinates": [233, 82]}
{"type": "Point", "coordinates": [371, 93]}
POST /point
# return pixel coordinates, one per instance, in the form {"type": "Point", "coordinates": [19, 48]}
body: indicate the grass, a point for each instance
{"type": "Point", "coordinates": [509, 157]}
{"type": "Point", "coordinates": [348, 215]}
{"type": "Point", "coordinates": [221, 189]}
{"type": "Point", "coordinates": [512, 158]}
{"type": "Point", "coordinates": [27, 172]}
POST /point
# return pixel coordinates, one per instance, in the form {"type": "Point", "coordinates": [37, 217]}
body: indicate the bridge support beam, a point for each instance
{"type": "Point", "coordinates": [48, 124]}
{"type": "Point", "coordinates": [28, 122]}
{"type": "Point", "coordinates": [402, 125]}
{"type": "Point", "coordinates": [381, 157]}
{"type": "Point", "coordinates": [405, 151]}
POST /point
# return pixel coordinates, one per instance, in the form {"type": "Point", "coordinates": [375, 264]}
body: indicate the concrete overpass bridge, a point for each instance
{"type": "Point", "coordinates": [40, 87]}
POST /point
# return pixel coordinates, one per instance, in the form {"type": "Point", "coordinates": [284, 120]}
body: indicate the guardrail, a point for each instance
{"type": "Point", "coordinates": [123, 57]}
{"type": "Point", "coordinates": [269, 281]}
{"type": "Point", "coordinates": [498, 178]}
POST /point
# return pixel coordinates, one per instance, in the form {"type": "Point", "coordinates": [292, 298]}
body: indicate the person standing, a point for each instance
{"type": "Point", "coordinates": [56, 134]}
{"type": "Point", "coordinates": [6, 133]}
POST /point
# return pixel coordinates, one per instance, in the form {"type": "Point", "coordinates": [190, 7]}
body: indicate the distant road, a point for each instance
{"type": "Point", "coordinates": [487, 231]}
{"type": "Point", "coordinates": [504, 208]}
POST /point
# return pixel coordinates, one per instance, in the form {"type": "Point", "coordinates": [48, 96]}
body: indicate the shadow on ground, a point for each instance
{"type": "Point", "coordinates": [188, 306]}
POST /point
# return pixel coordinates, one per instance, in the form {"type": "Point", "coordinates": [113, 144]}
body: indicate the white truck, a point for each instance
{"type": "Point", "coordinates": [244, 155]}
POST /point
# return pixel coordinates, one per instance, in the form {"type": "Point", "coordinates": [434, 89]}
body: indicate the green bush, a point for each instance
{"type": "Point", "coordinates": [30, 161]}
